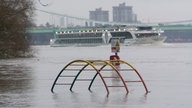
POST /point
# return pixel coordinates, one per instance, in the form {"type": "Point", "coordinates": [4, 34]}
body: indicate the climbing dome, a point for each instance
{"type": "Point", "coordinates": [104, 69]}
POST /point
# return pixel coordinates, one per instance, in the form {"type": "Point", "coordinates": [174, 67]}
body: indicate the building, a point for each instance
{"type": "Point", "coordinates": [99, 15]}
{"type": "Point", "coordinates": [123, 13]}
{"type": "Point", "coordinates": [62, 22]}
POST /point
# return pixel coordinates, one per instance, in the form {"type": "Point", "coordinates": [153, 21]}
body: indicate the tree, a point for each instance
{"type": "Point", "coordinates": [47, 24]}
{"type": "Point", "coordinates": [15, 17]}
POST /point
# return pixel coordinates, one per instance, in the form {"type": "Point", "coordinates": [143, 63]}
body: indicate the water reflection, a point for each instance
{"type": "Point", "coordinates": [15, 84]}
{"type": "Point", "coordinates": [97, 99]}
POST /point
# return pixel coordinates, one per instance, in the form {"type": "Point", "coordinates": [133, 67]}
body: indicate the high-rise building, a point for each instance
{"type": "Point", "coordinates": [99, 15]}
{"type": "Point", "coordinates": [62, 21]}
{"type": "Point", "coordinates": [123, 13]}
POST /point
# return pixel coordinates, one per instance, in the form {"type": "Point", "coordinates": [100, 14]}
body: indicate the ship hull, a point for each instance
{"type": "Point", "coordinates": [148, 40]}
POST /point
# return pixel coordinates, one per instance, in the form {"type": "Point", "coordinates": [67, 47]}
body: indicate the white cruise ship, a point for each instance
{"type": "Point", "coordinates": [103, 36]}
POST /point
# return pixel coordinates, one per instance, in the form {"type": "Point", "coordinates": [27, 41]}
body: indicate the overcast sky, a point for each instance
{"type": "Point", "coordinates": [146, 10]}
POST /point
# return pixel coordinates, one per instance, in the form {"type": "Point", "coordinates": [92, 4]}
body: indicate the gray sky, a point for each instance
{"type": "Point", "coordinates": [146, 10]}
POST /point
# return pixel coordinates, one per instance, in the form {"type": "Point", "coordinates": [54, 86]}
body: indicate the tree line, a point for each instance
{"type": "Point", "coordinates": [15, 17]}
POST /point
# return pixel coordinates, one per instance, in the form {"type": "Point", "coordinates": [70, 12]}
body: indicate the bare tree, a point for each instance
{"type": "Point", "coordinates": [15, 17]}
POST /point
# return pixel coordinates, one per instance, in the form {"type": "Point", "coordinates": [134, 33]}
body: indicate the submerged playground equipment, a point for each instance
{"type": "Point", "coordinates": [113, 73]}
{"type": "Point", "coordinates": [105, 69]}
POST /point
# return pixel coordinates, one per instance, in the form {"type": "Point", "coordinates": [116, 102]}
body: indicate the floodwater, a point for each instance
{"type": "Point", "coordinates": [166, 69]}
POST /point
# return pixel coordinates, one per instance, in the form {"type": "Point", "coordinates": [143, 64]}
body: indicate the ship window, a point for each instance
{"type": "Point", "coordinates": [126, 35]}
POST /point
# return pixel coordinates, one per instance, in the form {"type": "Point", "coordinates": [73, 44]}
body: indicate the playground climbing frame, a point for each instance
{"type": "Point", "coordinates": [101, 68]}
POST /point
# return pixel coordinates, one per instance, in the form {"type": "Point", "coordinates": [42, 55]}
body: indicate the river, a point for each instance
{"type": "Point", "coordinates": [166, 69]}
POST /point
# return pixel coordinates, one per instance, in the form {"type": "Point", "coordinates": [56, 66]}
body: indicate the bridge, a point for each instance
{"type": "Point", "coordinates": [66, 19]}
{"type": "Point", "coordinates": [42, 36]}
{"type": "Point", "coordinates": [175, 30]}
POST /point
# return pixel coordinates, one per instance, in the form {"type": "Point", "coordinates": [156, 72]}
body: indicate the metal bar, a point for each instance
{"type": "Point", "coordinates": [142, 81]}
{"type": "Point", "coordinates": [77, 65]}
{"type": "Point", "coordinates": [67, 76]}
{"type": "Point", "coordinates": [137, 74]}
{"type": "Point", "coordinates": [92, 65]}
{"type": "Point", "coordinates": [59, 75]}
{"type": "Point", "coordinates": [115, 86]}
{"type": "Point", "coordinates": [118, 70]}
{"type": "Point", "coordinates": [102, 69]}
{"type": "Point", "coordinates": [132, 81]}
{"type": "Point", "coordinates": [112, 66]}
{"type": "Point", "coordinates": [99, 64]}
{"type": "Point", "coordinates": [69, 64]}
{"type": "Point", "coordinates": [98, 71]}
{"type": "Point", "coordinates": [110, 77]}
{"type": "Point", "coordinates": [63, 84]}
{"type": "Point", "coordinates": [83, 79]}
{"type": "Point", "coordinates": [78, 75]}
{"type": "Point", "coordinates": [79, 69]}
{"type": "Point", "coordinates": [126, 70]}
{"type": "Point", "coordinates": [72, 69]}
{"type": "Point", "coordinates": [89, 69]}
{"type": "Point", "coordinates": [89, 88]}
